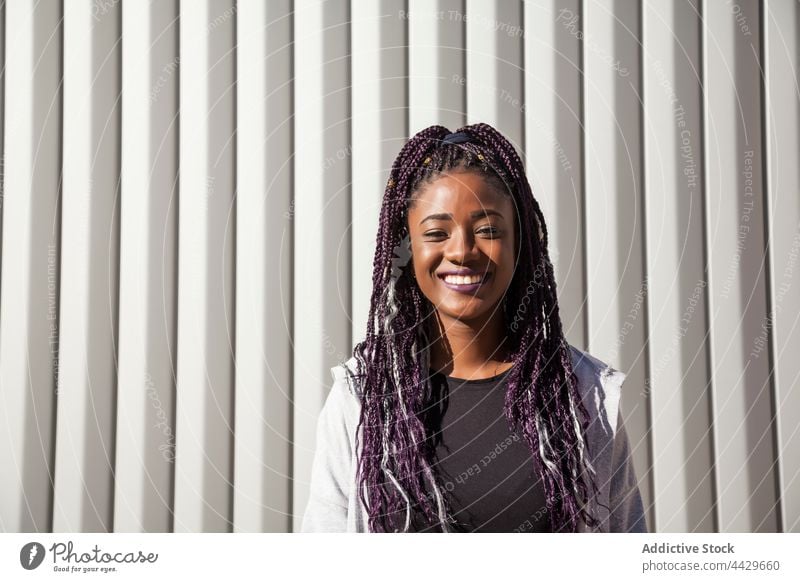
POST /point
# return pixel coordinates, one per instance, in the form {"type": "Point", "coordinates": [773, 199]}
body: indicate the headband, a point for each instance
{"type": "Point", "coordinates": [457, 137]}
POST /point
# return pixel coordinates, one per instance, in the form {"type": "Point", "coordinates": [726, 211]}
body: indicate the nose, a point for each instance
{"type": "Point", "coordinates": [461, 247]}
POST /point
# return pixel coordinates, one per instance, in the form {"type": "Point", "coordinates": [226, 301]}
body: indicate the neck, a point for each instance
{"type": "Point", "coordinates": [470, 349]}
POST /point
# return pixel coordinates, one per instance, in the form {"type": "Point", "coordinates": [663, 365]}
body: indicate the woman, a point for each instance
{"type": "Point", "coordinates": [465, 409]}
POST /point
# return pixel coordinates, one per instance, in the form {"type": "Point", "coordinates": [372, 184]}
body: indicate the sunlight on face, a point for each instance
{"type": "Point", "coordinates": [461, 225]}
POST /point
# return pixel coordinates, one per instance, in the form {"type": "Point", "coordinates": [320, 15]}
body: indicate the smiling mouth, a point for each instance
{"type": "Point", "coordinates": [466, 284]}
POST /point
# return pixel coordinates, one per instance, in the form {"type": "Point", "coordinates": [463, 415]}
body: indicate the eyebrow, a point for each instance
{"type": "Point", "coordinates": [449, 216]}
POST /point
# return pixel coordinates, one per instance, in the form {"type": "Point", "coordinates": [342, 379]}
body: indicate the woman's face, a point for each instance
{"type": "Point", "coordinates": [461, 224]}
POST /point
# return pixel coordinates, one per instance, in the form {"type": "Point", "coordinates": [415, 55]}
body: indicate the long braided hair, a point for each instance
{"type": "Point", "coordinates": [396, 473]}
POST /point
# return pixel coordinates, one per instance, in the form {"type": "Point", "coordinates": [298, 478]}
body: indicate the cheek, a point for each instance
{"type": "Point", "coordinates": [422, 259]}
{"type": "Point", "coordinates": [502, 254]}
{"type": "Point", "coordinates": [510, 252]}
{"type": "Point", "coordinates": [501, 251]}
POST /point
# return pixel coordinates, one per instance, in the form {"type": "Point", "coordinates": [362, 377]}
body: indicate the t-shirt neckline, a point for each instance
{"type": "Point", "coordinates": [476, 382]}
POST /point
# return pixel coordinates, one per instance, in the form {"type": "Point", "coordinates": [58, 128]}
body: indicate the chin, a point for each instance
{"type": "Point", "coordinates": [463, 314]}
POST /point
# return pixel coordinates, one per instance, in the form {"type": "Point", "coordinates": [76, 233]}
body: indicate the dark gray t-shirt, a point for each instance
{"type": "Point", "coordinates": [487, 471]}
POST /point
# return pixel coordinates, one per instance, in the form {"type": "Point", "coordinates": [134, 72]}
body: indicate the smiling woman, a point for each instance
{"type": "Point", "coordinates": [463, 261]}
{"type": "Point", "coordinates": [448, 416]}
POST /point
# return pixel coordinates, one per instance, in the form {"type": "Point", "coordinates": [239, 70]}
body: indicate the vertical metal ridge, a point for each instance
{"type": "Point", "coordinates": [349, 289]}
{"type": "Point", "coordinates": [406, 88]}
{"type": "Point", "coordinates": [584, 182]}
{"type": "Point", "coordinates": [116, 222]}
{"type": "Point", "coordinates": [234, 250]}
{"type": "Point", "coordinates": [290, 299]}
{"type": "Point", "coordinates": [772, 377]}
{"type": "Point", "coordinates": [523, 93]}
{"type": "Point", "coordinates": [464, 53]}
{"type": "Point", "coordinates": [57, 225]}
{"type": "Point", "coordinates": [176, 189]}
{"type": "Point", "coordinates": [651, 481]}
{"type": "Point", "coordinates": [714, 437]}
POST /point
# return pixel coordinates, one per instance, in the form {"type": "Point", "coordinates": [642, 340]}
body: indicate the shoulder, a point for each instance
{"type": "Point", "coordinates": [600, 387]}
{"type": "Point", "coordinates": [344, 398]}
{"type": "Point", "coordinates": [345, 375]}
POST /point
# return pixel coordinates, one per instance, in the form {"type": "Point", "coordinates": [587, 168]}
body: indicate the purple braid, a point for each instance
{"type": "Point", "coordinates": [396, 477]}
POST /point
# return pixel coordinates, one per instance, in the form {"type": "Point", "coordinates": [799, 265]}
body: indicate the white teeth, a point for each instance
{"type": "Point", "coordinates": [459, 280]}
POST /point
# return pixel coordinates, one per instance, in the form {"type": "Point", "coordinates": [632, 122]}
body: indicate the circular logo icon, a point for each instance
{"type": "Point", "coordinates": [31, 555]}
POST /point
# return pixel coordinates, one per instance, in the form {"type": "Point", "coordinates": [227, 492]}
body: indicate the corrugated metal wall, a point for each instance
{"type": "Point", "coordinates": [190, 195]}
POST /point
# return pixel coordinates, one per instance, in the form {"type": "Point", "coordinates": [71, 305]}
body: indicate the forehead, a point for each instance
{"type": "Point", "coordinates": [459, 192]}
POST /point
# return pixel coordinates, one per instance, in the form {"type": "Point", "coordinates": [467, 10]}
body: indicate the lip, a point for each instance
{"type": "Point", "coordinates": [461, 273]}
{"type": "Point", "coordinates": [470, 289]}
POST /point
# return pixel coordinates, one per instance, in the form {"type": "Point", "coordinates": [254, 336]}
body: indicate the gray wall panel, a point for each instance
{"type": "Point", "coordinates": [190, 195]}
